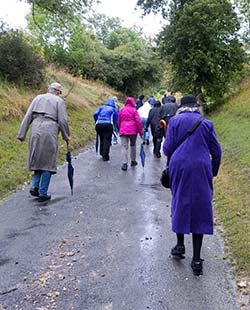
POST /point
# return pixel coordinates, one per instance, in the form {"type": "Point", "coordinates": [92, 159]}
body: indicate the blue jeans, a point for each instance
{"type": "Point", "coordinates": [41, 180]}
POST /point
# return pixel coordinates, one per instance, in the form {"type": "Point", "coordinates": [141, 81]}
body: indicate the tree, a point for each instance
{"type": "Point", "coordinates": [122, 36]}
{"type": "Point", "coordinates": [103, 25]}
{"type": "Point", "coordinates": [61, 8]}
{"type": "Point", "coordinates": [50, 35]}
{"type": "Point", "coordinates": [132, 67]}
{"type": "Point", "coordinates": [84, 55]}
{"type": "Point", "coordinates": [110, 53]}
{"type": "Point", "coordinates": [202, 45]}
{"type": "Point", "coordinates": [165, 7]}
{"type": "Point", "coordinates": [244, 9]}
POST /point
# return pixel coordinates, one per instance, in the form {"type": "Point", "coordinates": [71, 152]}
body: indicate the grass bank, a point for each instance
{"type": "Point", "coordinates": [232, 194]}
{"type": "Point", "coordinates": [82, 98]}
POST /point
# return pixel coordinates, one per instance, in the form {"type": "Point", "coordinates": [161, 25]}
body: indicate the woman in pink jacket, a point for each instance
{"type": "Point", "coordinates": [129, 124]}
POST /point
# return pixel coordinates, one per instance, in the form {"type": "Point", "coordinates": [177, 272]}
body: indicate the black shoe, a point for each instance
{"type": "Point", "coordinates": [178, 251]}
{"type": "Point", "coordinates": [124, 167]}
{"type": "Point", "coordinates": [44, 198]}
{"type": "Point", "coordinates": [133, 163]}
{"type": "Point", "coordinates": [147, 142]}
{"type": "Point", "coordinates": [197, 267]}
{"type": "Point", "coordinates": [105, 158]}
{"type": "Point", "coordinates": [34, 191]}
{"type": "Point", "coordinates": [158, 155]}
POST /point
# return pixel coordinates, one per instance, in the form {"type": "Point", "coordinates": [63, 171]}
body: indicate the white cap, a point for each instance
{"type": "Point", "coordinates": [55, 86]}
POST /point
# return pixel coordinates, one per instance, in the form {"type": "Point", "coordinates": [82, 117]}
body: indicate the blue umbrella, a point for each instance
{"type": "Point", "coordinates": [96, 143]}
{"type": "Point", "coordinates": [70, 171]}
{"type": "Point", "coordinates": [142, 155]}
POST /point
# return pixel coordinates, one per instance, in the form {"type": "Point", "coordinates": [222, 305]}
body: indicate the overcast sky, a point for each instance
{"type": "Point", "coordinates": [13, 12]}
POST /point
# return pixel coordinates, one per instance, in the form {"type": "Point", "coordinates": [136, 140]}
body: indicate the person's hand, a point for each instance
{"type": "Point", "coordinates": [68, 145]}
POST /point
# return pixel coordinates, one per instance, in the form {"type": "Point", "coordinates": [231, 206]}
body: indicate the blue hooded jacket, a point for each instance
{"type": "Point", "coordinates": [107, 113]}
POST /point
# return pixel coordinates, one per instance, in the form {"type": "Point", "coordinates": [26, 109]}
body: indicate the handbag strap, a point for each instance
{"type": "Point", "coordinates": [189, 132]}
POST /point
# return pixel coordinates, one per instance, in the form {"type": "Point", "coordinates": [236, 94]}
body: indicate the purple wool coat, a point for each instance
{"type": "Point", "coordinates": [192, 168]}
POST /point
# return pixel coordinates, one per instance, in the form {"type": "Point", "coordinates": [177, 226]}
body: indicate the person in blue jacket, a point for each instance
{"type": "Point", "coordinates": [105, 117]}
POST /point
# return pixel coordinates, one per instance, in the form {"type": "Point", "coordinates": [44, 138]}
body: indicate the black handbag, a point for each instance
{"type": "Point", "coordinates": [165, 178]}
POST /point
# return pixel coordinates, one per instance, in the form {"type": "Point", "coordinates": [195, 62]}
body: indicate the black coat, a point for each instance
{"type": "Point", "coordinates": [153, 119]}
{"type": "Point", "coordinates": [168, 110]}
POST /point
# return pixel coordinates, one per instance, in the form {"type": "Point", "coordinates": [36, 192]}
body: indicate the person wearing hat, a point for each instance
{"type": "Point", "coordinates": [192, 167]}
{"type": "Point", "coordinates": [47, 116]}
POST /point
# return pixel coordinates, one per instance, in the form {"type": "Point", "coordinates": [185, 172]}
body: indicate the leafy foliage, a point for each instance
{"type": "Point", "coordinates": [202, 45]}
{"type": "Point", "coordinates": [50, 34]}
{"type": "Point", "coordinates": [154, 6]}
{"type": "Point", "coordinates": [84, 55]}
{"type": "Point", "coordinates": [131, 67]}
{"type": "Point", "coordinates": [244, 8]}
{"type": "Point", "coordinates": [110, 53]}
{"type": "Point", "coordinates": [122, 36]}
{"type": "Point", "coordinates": [19, 63]}
{"type": "Point", "coordinates": [63, 8]}
{"type": "Point", "coordinates": [102, 25]}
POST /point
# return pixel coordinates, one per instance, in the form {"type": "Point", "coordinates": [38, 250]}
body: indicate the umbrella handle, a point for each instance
{"type": "Point", "coordinates": [68, 148]}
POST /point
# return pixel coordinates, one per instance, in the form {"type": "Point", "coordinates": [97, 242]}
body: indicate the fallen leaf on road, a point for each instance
{"type": "Point", "coordinates": [53, 294]}
{"type": "Point", "coordinates": [60, 276]}
{"type": "Point", "coordinates": [61, 244]}
{"type": "Point", "coordinates": [242, 284]}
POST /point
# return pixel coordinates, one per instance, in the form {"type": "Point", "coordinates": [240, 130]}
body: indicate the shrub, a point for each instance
{"type": "Point", "coordinates": [19, 64]}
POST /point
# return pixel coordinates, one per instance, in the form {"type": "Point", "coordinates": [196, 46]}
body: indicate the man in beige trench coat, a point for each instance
{"type": "Point", "coordinates": [48, 116]}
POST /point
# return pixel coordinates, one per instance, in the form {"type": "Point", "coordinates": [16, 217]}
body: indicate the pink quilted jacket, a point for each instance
{"type": "Point", "coordinates": [129, 122]}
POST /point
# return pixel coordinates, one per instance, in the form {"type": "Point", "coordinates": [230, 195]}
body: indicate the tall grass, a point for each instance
{"type": "Point", "coordinates": [232, 193]}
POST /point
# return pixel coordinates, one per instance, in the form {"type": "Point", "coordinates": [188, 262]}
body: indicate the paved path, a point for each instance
{"type": "Point", "coordinates": [105, 248]}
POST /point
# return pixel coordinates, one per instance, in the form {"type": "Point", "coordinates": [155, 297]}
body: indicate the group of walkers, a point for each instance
{"type": "Point", "coordinates": [190, 144]}
{"type": "Point", "coordinates": [194, 156]}
{"type": "Point", "coordinates": [136, 117]}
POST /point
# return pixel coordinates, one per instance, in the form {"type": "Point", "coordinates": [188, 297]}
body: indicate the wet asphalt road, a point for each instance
{"type": "Point", "coordinates": [105, 248]}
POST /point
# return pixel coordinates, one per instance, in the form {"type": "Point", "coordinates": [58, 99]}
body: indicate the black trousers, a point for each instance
{"type": "Point", "coordinates": [157, 145]}
{"type": "Point", "coordinates": [105, 132]}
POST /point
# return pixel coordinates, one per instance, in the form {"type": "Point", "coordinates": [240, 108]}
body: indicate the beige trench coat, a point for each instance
{"type": "Point", "coordinates": [48, 116]}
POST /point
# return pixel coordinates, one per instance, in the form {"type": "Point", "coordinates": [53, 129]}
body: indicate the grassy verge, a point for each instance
{"type": "Point", "coordinates": [232, 185]}
{"type": "Point", "coordinates": [82, 98]}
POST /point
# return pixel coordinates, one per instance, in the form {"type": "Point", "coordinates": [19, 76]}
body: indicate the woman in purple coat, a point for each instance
{"type": "Point", "coordinates": [192, 167]}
